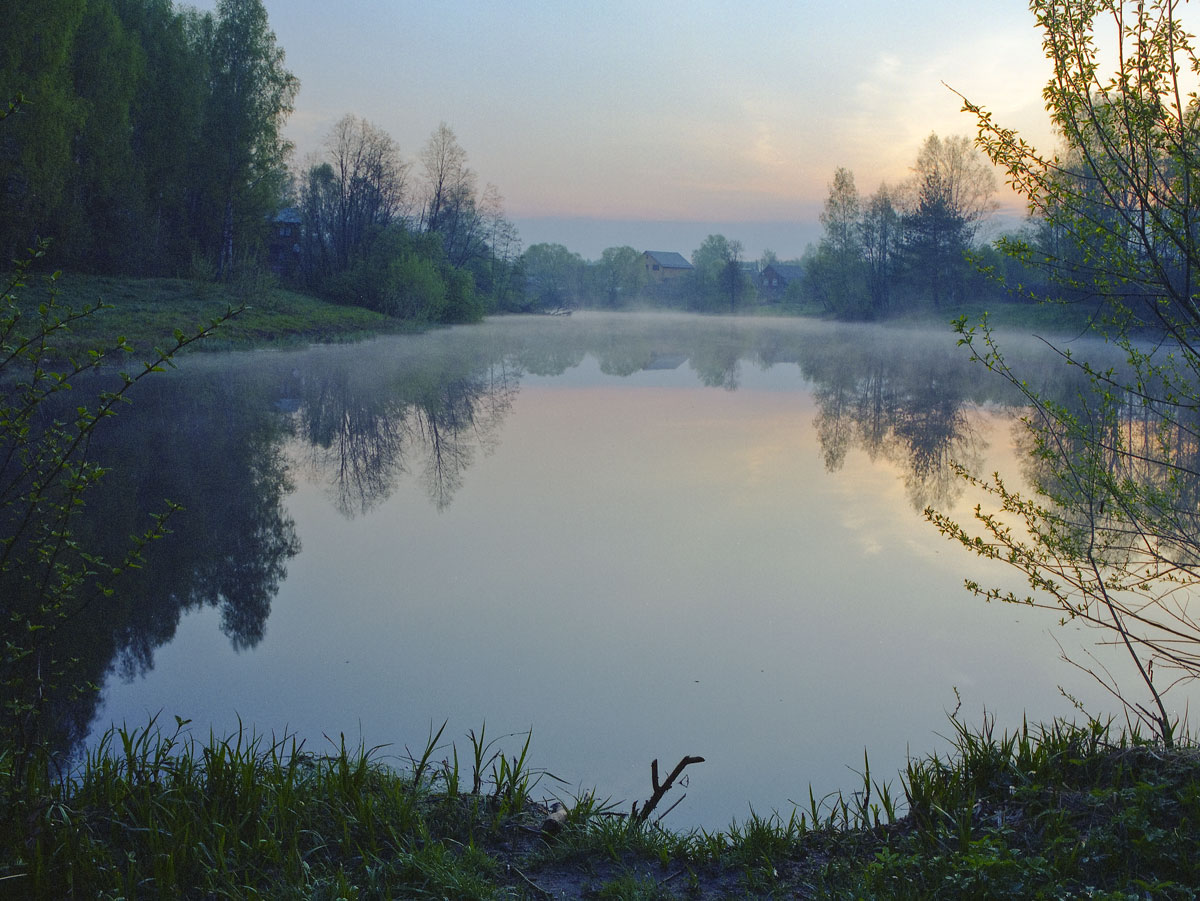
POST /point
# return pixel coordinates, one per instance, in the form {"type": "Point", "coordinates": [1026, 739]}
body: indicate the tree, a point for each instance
{"type": "Point", "coordinates": [349, 197]}
{"type": "Point", "coordinates": [964, 177]}
{"type": "Point", "coordinates": [1110, 532]}
{"type": "Point", "coordinates": [166, 129]}
{"type": "Point", "coordinates": [936, 239]}
{"type": "Point", "coordinates": [718, 265]}
{"type": "Point", "coordinates": [370, 179]}
{"type": "Point", "coordinates": [553, 275]}
{"type": "Point", "coordinates": [105, 201]}
{"type": "Point", "coordinates": [35, 144]}
{"type": "Point", "coordinates": [251, 98]}
{"type": "Point", "coordinates": [496, 276]}
{"type": "Point", "coordinates": [950, 196]}
{"type": "Point", "coordinates": [840, 265]}
{"type": "Point", "coordinates": [621, 274]}
{"type": "Point", "coordinates": [451, 209]}
{"type": "Point", "coordinates": [881, 233]}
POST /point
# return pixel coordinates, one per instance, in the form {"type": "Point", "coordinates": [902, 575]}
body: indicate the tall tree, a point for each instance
{"type": "Point", "coordinates": [718, 265]}
{"type": "Point", "coordinates": [966, 183]}
{"type": "Point", "coordinates": [106, 215]}
{"type": "Point", "coordinates": [936, 238]}
{"type": "Point", "coordinates": [950, 196]}
{"type": "Point", "coordinates": [167, 128]}
{"type": "Point", "coordinates": [35, 145]}
{"type": "Point", "coordinates": [365, 186]}
{"type": "Point", "coordinates": [841, 249]}
{"type": "Point", "coordinates": [880, 230]}
{"type": "Point", "coordinates": [251, 98]}
{"type": "Point", "coordinates": [451, 209]}
{"type": "Point", "coordinates": [496, 276]}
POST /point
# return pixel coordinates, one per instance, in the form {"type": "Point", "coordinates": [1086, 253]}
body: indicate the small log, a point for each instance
{"type": "Point", "coordinates": [556, 818]}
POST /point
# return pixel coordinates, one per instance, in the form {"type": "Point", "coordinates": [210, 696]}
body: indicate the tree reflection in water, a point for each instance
{"type": "Point", "coordinates": [362, 432]}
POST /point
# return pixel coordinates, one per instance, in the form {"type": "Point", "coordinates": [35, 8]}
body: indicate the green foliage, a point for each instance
{"type": "Point", "coordinates": [620, 275]}
{"type": "Point", "coordinates": [719, 281]}
{"type": "Point", "coordinates": [554, 276]}
{"type": "Point", "coordinates": [358, 247]}
{"type": "Point", "coordinates": [149, 133]}
{"type": "Point", "coordinates": [408, 276]}
{"type": "Point", "coordinates": [48, 576]}
{"type": "Point", "coordinates": [1044, 812]}
{"type": "Point", "coordinates": [1107, 533]}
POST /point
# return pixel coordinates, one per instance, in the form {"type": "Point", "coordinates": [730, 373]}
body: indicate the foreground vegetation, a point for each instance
{"type": "Point", "coordinates": [1047, 812]}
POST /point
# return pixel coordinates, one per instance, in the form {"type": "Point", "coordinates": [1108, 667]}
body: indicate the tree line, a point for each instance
{"type": "Point", "coordinates": [904, 247]}
{"type": "Point", "coordinates": [148, 140]}
{"type": "Point", "coordinates": [423, 244]}
{"type": "Point", "coordinates": [720, 279]}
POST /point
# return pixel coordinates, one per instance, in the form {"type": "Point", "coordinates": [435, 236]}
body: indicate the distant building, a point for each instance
{"type": "Point", "coordinates": [663, 265]}
{"type": "Point", "coordinates": [774, 279]}
{"type": "Point", "coordinates": [283, 248]}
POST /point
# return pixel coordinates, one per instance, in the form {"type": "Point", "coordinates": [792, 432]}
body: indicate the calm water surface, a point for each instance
{"type": "Point", "coordinates": [638, 537]}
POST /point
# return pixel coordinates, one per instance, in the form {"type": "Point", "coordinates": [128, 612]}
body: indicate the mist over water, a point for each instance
{"type": "Point", "coordinates": [639, 536]}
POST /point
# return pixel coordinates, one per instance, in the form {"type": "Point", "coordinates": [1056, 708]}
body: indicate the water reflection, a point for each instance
{"type": "Point", "coordinates": [364, 428]}
{"type": "Point", "coordinates": [911, 412]}
{"type": "Point", "coordinates": [208, 444]}
{"type": "Point", "coordinates": [364, 419]}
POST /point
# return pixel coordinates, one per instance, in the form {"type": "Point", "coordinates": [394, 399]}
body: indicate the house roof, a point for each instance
{"type": "Point", "coordinates": [786, 271]}
{"type": "Point", "coordinates": [668, 259]}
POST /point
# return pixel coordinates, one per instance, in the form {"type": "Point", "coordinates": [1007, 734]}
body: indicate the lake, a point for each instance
{"type": "Point", "coordinates": [638, 536]}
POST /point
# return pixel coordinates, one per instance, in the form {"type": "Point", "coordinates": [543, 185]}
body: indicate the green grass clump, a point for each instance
{"type": "Point", "coordinates": [155, 814]}
{"type": "Point", "coordinates": [1047, 812]}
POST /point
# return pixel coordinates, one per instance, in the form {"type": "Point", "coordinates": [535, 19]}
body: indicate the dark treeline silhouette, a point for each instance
{"type": "Point", "coordinates": [147, 138]}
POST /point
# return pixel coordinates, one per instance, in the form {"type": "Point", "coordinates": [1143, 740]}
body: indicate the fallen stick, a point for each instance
{"type": "Point", "coordinates": [640, 816]}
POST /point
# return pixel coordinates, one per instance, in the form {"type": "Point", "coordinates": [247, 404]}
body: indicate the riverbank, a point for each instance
{"type": "Point", "coordinates": [146, 312]}
{"type": "Point", "coordinates": [1050, 812]}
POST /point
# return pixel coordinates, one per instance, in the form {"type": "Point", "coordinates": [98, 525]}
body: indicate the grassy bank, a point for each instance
{"type": "Point", "coordinates": [146, 312]}
{"type": "Point", "coordinates": [1053, 812]}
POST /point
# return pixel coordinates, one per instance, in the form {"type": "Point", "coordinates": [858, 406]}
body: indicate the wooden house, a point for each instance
{"type": "Point", "coordinates": [662, 265]}
{"type": "Point", "coordinates": [774, 279]}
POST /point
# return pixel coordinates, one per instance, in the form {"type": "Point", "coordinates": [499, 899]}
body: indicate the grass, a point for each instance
{"type": "Point", "coordinates": [146, 312]}
{"type": "Point", "coordinates": [1046, 812]}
